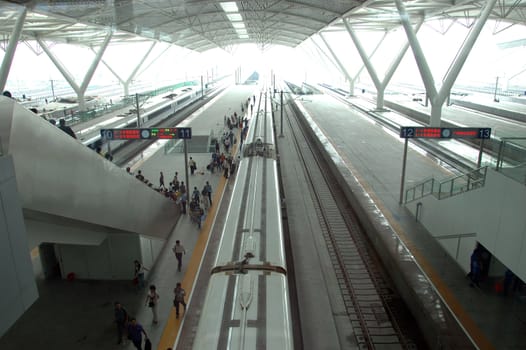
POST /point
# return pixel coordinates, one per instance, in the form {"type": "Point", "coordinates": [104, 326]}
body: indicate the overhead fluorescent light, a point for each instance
{"type": "Point", "coordinates": [244, 36]}
{"type": "Point", "coordinates": [230, 6]}
{"type": "Point", "coordinates": [238, 25]}
{"type": "Point", "coordinates": [234, 17]}
{"type": "Point", "coordinates": [241, 31]}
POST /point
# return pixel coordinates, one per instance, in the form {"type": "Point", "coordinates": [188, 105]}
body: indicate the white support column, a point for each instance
{"type": "Point", "coordinates": [11, 48]}
{"type": "Point", "coordinates": [63, 70]}
{"type": "Point", "coordinates": [91, 71]}
{"type": "Point", "coordinates": [437, 98]}
{"type": "Point", "coordinates": [320, 54]}
{"type": "Point", "coordinates": [152, 62]}
{"type": "Point", "coordinates": [421, 62]}
{"type": "Point", "coordinates": [359, 72]}
{"type": "Point", "coordinates": [126, 83]}
{"type": "Point", "coordinates": [365, 59]}
{"type": "Point", "coordinates": [342, 67]}
{"type": "Point", "coordinates": [465, 50]}
{"type": "Point", "coordinates": [317, 52]}
{"type": "Point", "coordinates": [380, 85]}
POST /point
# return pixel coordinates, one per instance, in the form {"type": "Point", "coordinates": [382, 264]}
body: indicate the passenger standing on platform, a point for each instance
{"type": "Point", "coordinates": [195, 195]}
{"type": "Point", "coordinates": [135, 332]}
{"type": "Point", "coordinates": [62, 126]}
{"type": "Point", "coordinates": [226, 143]}
{"type": "Point", "coordinates": [193, 165]}
{"type": "Point", "coordinates": [475, 266]}
{"type": "Point", "coordinates": [226, 168]}
{"type": "Point", "coordinates": [161, 181]}
{"type": "Point", "coordinates": [200, 217]}
{"type": "Point", "coordinates": [175, 178]}
{"type": "Point", "coordinates": [179, 250]}
{"type": "Point", "coordinates": [139, 274]}
{"type": "Point", "coordinates": [217, 146]}
{"type": "Point", "coordinates": [179, 298]}
{"type": "Point", "coordinates": [128, 170]}
{"type": "Point", "coordinates": [233, 166]}
{"type": "Point", "coordinates": [139, 176]}
{"type": "Point", "coordinates": [121, 318]}
{"type": "Point", "coordinates": [151, 300]}
{"type": "Point", "coordinates": [183, 202]}
{"type": "Point", "coordinates": [182, 188]}
{"type": "Point", "coordinates": [208, 189]}
{"type": "Point", "coordinates": [205, 200]}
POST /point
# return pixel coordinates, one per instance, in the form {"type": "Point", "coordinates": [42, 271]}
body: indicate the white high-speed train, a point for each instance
{"type": "Point", "coordinates": [247, 301]}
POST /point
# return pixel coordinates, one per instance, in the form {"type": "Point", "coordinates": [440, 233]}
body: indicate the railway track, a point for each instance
{"type": "Point", "coordinates": [376, 312]}
{"type": "Point", "coordinates": [131, 149]}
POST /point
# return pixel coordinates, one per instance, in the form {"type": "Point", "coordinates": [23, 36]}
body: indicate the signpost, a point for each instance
{"type": "Point", "coordinates": [416, 132]}
{"type": "Point", "coordinates": [152, 134]}
{"type": "Point", "coordinates": [146, 133]}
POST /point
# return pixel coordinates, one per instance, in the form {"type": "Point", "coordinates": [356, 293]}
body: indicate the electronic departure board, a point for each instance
{"type": "Point", "coordinates": [146, 134]}
{"type": "Point", "coordinates": [414, 132]}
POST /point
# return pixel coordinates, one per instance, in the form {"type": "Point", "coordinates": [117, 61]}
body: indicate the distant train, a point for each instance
{"type": "Point", "coordinates": [247, 302]}
{"type": "Point", "coordinates": [167, 105]}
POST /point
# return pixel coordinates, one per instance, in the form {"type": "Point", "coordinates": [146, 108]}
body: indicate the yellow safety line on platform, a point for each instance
{"type": "Point", "coordinates": [171, 329]}
{"type": "Point", "coordinates": [451, 300]}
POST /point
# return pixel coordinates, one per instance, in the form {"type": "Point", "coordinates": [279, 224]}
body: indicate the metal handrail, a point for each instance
{"type": "Point", "coordinates": [418, 190]}
{"type": "Point", "coordinates": [469, 181]}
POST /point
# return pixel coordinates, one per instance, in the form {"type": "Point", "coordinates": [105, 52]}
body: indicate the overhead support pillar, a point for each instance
{"type": "Point", "coordinates": [91, 71]}
{"type": "Point", "coordinates": [437, 98]}
{"type": "Point", "coordinates": [319, 52]}
{"type": "Point", "coordinates": [79, 90]}
{"type": "Point", "coordinates": [359, 72]}
{"type": "Point", "coordinates": [11, 48]}
{"type": "Point", "coordinates": [126, 83]}
{"type": "Point", "coordinates": [342, 67]}
{"type": "Point", "coordinates": [380, 85]}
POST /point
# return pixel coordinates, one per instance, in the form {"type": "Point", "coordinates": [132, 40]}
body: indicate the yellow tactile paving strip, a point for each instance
{"type": "Point", "coordinates": [172, 326]}
{"type": "Point", "coordinates": [171, 329]}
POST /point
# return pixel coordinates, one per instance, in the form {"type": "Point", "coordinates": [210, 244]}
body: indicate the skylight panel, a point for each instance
{"type": "Point", "coordinates": [234, 17]}
{"type": "Point", "coordinates": [229, 6]}
{"type": "Point", "coordinates": [238, 25]}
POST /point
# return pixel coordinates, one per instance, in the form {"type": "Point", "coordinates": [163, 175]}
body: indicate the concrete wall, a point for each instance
{"type": "Point", "coordinates": [59, 176]}
{"type": "Point", "coordinates": [112, 259]}
{"type": "Point", "coordinates": [18, 289]}
{"type": "Point", "coordinates": [495, 213]}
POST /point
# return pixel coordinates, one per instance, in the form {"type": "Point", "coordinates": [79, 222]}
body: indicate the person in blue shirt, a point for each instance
{"type": "Point", "coordinates": [135, 332]}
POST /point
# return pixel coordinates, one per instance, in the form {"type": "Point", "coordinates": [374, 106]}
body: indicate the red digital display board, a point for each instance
{"type": "Point", "coordinates": [415, 132]}
{"type": "Point", "coordinates": [126, 134]}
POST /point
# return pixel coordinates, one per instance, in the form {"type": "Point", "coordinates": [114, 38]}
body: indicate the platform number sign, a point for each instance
{"type": "Point", "coordinates": [185, 133]}
{"type": "Point", "coordinates": [415, 132]}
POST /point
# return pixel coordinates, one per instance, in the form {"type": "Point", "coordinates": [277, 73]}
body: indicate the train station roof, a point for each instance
{"type": "Point", "coordinates": [201, 25]}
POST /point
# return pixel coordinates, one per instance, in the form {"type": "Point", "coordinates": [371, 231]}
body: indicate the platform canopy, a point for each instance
{"type": "Point", "coordinates": [201, 25]}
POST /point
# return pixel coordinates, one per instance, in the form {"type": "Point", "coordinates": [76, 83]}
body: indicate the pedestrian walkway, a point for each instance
{"type": "Point", "coordinates": [80, 314]}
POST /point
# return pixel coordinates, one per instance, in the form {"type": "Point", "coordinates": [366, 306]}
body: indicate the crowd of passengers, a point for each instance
{"type": "Point", "coordinates": [196, 202]}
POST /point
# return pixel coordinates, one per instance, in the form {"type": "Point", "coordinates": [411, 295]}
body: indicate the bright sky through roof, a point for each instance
{"type": "Point", "coordinates": [484, 64]}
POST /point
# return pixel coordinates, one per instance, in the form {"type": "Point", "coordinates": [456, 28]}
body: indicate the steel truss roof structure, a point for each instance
{"type": "Point", "coordinates": [201, 25]}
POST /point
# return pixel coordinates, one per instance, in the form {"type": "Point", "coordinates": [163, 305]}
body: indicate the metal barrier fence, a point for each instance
{"type": "Point", "coordinates": [449, 187]}
{"type": "Point", "coordinates": [511, 158]}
